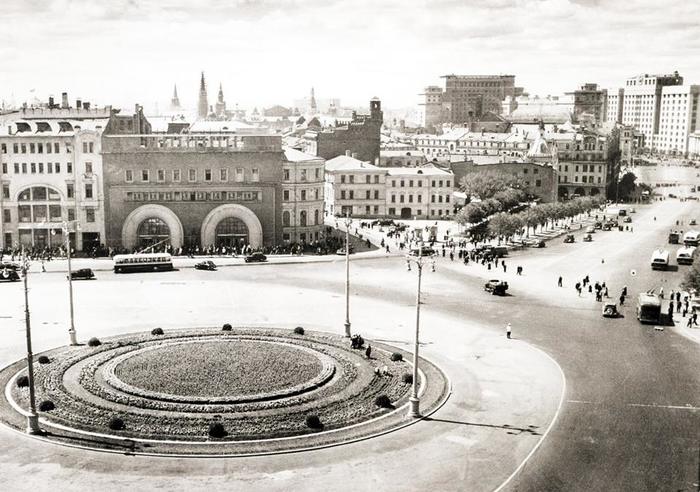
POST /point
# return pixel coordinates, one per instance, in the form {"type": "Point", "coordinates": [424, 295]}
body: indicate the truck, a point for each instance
{"type": "Point", "coordinates": [685, 255]}
{"type": "Point", "coordinates": [648, 308]}
{"type": "Point", "coordinates": [659, 259]}
{"type": "Point", "coordinates": [691, 238]}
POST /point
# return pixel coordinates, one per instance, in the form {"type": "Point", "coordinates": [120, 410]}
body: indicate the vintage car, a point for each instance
{"type": "Point", "coordinates": [693, 222]}
{"type": "Point", "coordinates": [569, 238]}
{"type": "Point", "coordinates": [590, 230]}
{"type": "Point", "coordinates": [674, 237]}
{"type": "Point", "coordinates": [205, 265]}
{"type": "Point", "coordinates": [588, 238]}
{"type": "Point", "coordinates": [496, 287]}
{"type": "Point", "coordinates": [627, 219]}
{"type": "Point", "coordinates": [423, 251]}
{"type": "Point", "coordinates": [607, 226]}
{"type": "Point", "coordinates": [82, 274]}
{"type": "Point", "coordinates": [256, 257]}
{"type": "Point", "coordinates": [341, 251]}
{"type": "Point", "coordinates": [9, 272]}
{"type": "Point", "coordinates": [598, 225]}
{"type": "Point", "coordinates": [610, 310]}
{"type": "Point", "coordinates": [538, 244]}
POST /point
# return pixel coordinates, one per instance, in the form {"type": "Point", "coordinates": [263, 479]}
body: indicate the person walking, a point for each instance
{"type": "Point", "coordinates": [670, 311]}
{"type": "Point", "coordinates": [508, 331]}
{"type": "Point", "coordinates": [694, 317]}
{"type": "Point", "coordinates": [560, 282]}
{"type": "Point", "coordinates": [368, 351]}
{"type": "Point", "coordinates": [622, 300]}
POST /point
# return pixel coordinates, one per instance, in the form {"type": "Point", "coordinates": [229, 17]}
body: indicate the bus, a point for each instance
{"type": "Point", "coordinates": [691, 238]}
{"type": "Point", "coordinates": [648, 308]}
{"type": "Point", "coordinates": [659, 259]}
{"type": "Point", "coordinates": [685, 255]}
{"type": "Point", "coordinates": [146, 262]}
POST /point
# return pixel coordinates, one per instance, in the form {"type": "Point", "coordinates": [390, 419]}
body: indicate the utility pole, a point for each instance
{"type": "Point", "coordinates": [32, 417]}
{"type": "Point", "coordinates": [71, 330]}
{"type": "Point", "coordinates": [348, 222]}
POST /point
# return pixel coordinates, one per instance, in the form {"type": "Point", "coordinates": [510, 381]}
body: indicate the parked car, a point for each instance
{"type": "Point", "coordinates": [82, 274]}
{"type": "Point", "coordinates": [607, 226]}
{"type": "Point", "coordinates": [538, 244]}
{"type": "Point", "coordinates": [627, 220]}
{"type": "Point", "coordinates": [590, 230]}
{"type": "Point", "coordinates": [693, 222]}
{"type": "Point", "coordinates": [569, 238]}
{"type": "Point", "coordinates": [598, 225]}
{"type": "Point", "coordinates": [423, 251]}
{"type": "Point", "coordinates": [256, 257]}
{"type": "Point", "coordinates": [496, 287]}
{"type": "Point", "coordinates": [9, 272]}
{"type": "Point", "coordinates": [610, 310]}
{"type": "Point", "coordinates": [341, 251]}
{"type": "Point", "coordinates": [205, 265]}
{"type": "Point", "coordinates": [674, 237]}
{"type": "Point", "coordinates": [588, 238]}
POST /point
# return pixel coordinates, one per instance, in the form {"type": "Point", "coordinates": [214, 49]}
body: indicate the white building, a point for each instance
{"type": "Point", "coordinates": [302, 196]}
{"type": "Point", "coordinates": [694, 145]}
{"type": "Point", "coordinates": [678, 118]}
{"type": "Point", "coordinates": [419, 192]}
{"type": "Point", "coordinates": [51, 172]}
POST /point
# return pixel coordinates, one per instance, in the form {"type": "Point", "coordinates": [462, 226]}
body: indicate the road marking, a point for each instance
{"type": "Point", "coordinates": [673, 407]}
{"type": "Point", "coordinates": [581, 401]}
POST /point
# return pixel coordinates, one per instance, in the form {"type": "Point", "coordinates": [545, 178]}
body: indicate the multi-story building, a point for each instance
{"type": "Point", "coordinates": [590, 103]}
{"type": "Point", "coordinates": [694, 145]}
{"type": "Point", "coordinates": [419, 192]}
{"type": "Point", "coordinates": [466, 97]}
{"type": "Point", "coordinates": [678, 118]}
{"type": "Point", "coordinates": [51, 173]}
{"type": "Point", "coordinates": [641, 103]}
{"type": "Point", "coordinates": [302, 196]}
{"type": "Point", "coordinates": [614, 105]}
{"type": "Point", "coordinates": [354, 187]}
{"type": "Point", "coordinates": [401, 158]}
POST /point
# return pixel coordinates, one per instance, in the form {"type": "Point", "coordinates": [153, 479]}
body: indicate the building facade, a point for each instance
{"type": "Point", "coordinates": [419, 193]}
{"type": "Point", "coordinates": [51, 174]}
{"type": "Point", "coordinates": [354, 187]}
{"type": "Point", "coordinates": [678, 119]}
{"type": "Point", "coordinates": [401, 158]}
{"type": "Point", "coordinates": [590, 104]}
{"type": "Point", "coordinates": [303, 180]}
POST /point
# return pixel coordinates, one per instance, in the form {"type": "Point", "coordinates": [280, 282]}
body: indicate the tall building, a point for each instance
{"type": "Point", "coordinates": [468, 96]}
{"type": "Point", "coordinates": [614, 105]}
{"type": "Point", "coordinates": [220, 107]}
{"type": "Point", "coordinates": [203, 105]}
{"type": "Point", "coordinates": [678, 118]}
{"type": "Point", "coordinates": [175, 101]}
{"type": "Point", "coordinates": [642, 102]}
{"type": "Point", "coordinates": [590, 103]}
{"type": "Point", "coordinates": [312, 104]}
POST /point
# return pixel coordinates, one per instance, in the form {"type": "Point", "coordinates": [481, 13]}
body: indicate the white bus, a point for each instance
{"type": "Point", "coordinates": [659, 259]}
{"type": "Point", "coordinates": [685, 255]}
{"type": "Point", "coordinates": [146, 262]}
{"type": "Point", "coordinates": [691, 238]}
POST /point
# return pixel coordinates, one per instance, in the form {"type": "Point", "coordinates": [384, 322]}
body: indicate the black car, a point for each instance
{"type": "Point", "coordinates": [341, 251]}
{"type": "Point", "coordinates": [205, 265]}
{"type": "Point", "coordinates": [423, 251]}
{"type": "Point", "coordinates": [255, 258]}
{"type": "Point", "coordinates": [82, 274]}
{"type": "Point", "coordinates": [569, 238]}
{"type": "Point", "coordinates": [9, 272]}
{"type": "Point", "coordinates": [496, 287]}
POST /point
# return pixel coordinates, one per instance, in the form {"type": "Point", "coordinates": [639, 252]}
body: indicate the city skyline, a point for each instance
{"type": "Point", "coordinates": [272, 52]}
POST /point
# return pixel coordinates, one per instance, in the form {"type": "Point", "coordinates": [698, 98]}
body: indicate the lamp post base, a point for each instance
{"type": "Point", "coordinates": [414, 408]}
{"type": "Point", "coordinates": [33, 424]}
{"type": "Point", "coordinates": [347, 329]}
{"type": "Point", "coordinates": [73, 338]}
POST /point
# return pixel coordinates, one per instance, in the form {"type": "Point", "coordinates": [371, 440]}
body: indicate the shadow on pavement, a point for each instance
{"type": "Point", "coordinates": [530, 429]}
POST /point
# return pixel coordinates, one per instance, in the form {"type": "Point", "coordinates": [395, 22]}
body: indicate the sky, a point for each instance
{"type": "Point", "coordinates": [267, 52]}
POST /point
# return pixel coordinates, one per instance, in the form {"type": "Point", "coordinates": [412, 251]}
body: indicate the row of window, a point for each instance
{"type": "Point", "coordinates": [192, 175]}
{"type": "Point", "coordinates": [303, 195]}
{"type": "Point", "coordinates": [41, 168]}
{"type": "Point", "coordinates": [303, 218]}
{"type": "Point", "coordinates": [584, 179]}
{"type": "Point", "coordinates": [303, 174]}
{"type": "Point", "coordinates": [351, 179]}
{"type": "Point", "coordinates": [44, 213]}
{"type": "Point", "coordinates": [419, 183]}
{"type": "Point", "coordinates": [193, 196]}
{"type": "Point", "coordinates": [586, 168]}
{"type": "Point", "coordinates": [350, 195]}
{"type": "Point", "coordinates": [49, 147]}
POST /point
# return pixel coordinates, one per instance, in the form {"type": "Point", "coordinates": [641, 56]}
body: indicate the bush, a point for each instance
{"type": "Point", "coordinates": [22, 381]}
{"type": "Point", "coordinates": [94, 342]}
{"type": "Point", "coordinates": [116, 424]}
{"type": "Point", "coordinates": [299, 330]}
{"type": "Point", "coordinates": [157, 331]}
{"type": "Point", "coordinates": [216, 429]}
{"type": "Point", "coordinates": [46, 406]}
{"type": "Point", "coordinates": [395, 356]}
{"type": "Point", "coordinates": [313, 422]}
{"type": "Point", "coordinates": [383, 401]}
{"type": "Point", "coordinates": [43, 359]}
{"type": "Point", "coordinates": [407, 378]}
{"type": "Point", "coordinates": [227, 327]}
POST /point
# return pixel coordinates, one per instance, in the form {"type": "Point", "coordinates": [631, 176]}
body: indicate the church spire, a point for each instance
{"type": "Point", "coordinates": [312, 105]}
{"type": "Point", "coordinates": [203, 106]}
{"type": "Point", "coordinates": [175, 101]}
{"type": "Point", "coordinates": [220, 103]}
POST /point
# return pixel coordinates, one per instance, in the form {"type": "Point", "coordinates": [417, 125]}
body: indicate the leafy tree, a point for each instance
{"type": "Point", "coordinates": [484, 185]}
{"type": "Point", "coordinates": [626, 185]}
{"type": "Point", "coordinates": [691, 280]}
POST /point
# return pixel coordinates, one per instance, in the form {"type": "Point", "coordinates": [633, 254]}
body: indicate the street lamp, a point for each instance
{"type": "Point", "coordinates": [414, 409]}
{"type": "Point", "coordinates": [348, 222]}
{"type": "Point", "coordinates": [66, 226]}
{"type": "Point", "coordinates": [32, 417]}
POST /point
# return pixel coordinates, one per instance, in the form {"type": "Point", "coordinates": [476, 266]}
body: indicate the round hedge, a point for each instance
{"type": "Point", "coordinates": [313, 422]}
{"type": "Point", "coordinates": [299, 330]}
{"type": "Point", "coordinates": [22, 382]}
{"type": "Point", "coordinates": [407, 378]}
{"type": "Point", "coordinates": [43, 359]}
{"type": "Point", "coordinates": [46, 406]}
{"type": "Point", "coordinates": [383, 401]}
{"type": "Point", "coordinates": [157, 331]}
{"type": "Point", "coordinates": [217, 430]}
{"type": "Point", "coordinates": [395, 356]}
{"type": "Point", "coordinates": [94, 342]}
{"type": "Point", "coordinates": [116, 423]}
{"type": "Point", "coordinates": [227, 327]}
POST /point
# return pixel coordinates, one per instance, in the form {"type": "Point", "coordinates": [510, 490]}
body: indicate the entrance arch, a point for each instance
{"type": "Point", "coordinates": [130, 229]}
{"type": "Point", "coordinates": [251, 221]}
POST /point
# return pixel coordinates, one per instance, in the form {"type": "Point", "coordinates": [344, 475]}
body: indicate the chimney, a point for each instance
{"type": "Point", "coordinates": [78, 104]}
{"type": "Point", "coordinates": [354, 155]}
{"type": "Point", "coordinates": [50, 102]}
{"type": "Point", "coordinates": [86, 105]}
{"type": "Point", "coordinates": [347, 153]}
{"type": "Point", "coordinates": [64, 100]}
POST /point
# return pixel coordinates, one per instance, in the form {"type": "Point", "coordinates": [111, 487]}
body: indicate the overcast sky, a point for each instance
{"type": "Point", "coordinates": [272, 51]}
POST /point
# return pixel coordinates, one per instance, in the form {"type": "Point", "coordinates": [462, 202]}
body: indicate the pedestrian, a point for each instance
{"type": "Point", "coordinates": [508, 331]}
{"type": "Point", "coordinates": [559, 282]}
{"type": "Point", "coordinates": [689, 324]}
{"type": "Point", "coordinates": [624, 291]}
{"type": "Point", "coordinates": [606, 292]}
{"type": "Point", "coordinates": [670, 311]}
{"type": "Point", "coordinates": [452, 256]}
{"type": "Point", "coordinates": [590, 288]}
{"type": "Point", "coordinates": [504, 267]}
{"type": "Point", "coordinates": [678, 296]}
{"type": "Point", "coordinates": [368, 351]}
{"type": "Point", "coordinates": [695, 318]}
{"type": "Point", "coordinates": [622, 300]}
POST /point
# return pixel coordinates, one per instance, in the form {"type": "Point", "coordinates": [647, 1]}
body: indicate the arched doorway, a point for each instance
{"type": "Point", "coordinates": [149, 222]}
{"type": "Point", "coordinates": [222, 212]}
{"type": "Point", "coordinates": [231, 231]}
{"type": "Point", "coordinates": [152, 231]}
{"type": "Point", "coordinates": [580, 191]}
{"type": "Point", "coordinates": [595, 191]}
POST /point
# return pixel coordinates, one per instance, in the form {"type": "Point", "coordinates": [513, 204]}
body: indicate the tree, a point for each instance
{"type": "Point", "coordinates": [484, 185]}
{"type": "Point", "coordinates": [626, 186]}
{"type": "Point", "coordinates": [691, 280]}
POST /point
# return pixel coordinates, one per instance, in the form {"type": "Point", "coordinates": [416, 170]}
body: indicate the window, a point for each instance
{"type": "Point", "coordinates": [342, 194]}
{"type": "Point", "coordinates": [40, 148]}
{"type": "Point", "coordinates": [49, 148]}
{"type": "Point", "coordinates": [58, 167]}
{"type": "Point", "coordinates": [15, 148]}
{"type": "Point", "coordinates": [192, 175]}
{"type": "Point", "coordinates": [69, 167]}
{"type": "Point", "coordinates": [410, 198]}
{"type": "Point", "coordinates": [420, 183]}
{"type": "Point", "coordinates": [128, 175]}
{"type": "Point", "coordinates": [401, 198]}
{"type": "Point", "coordinates": [33, 167]}
{"type": "Point", "coordinates": [240, 175]}
{"type": "Point", "coordinates": [316, 215]}
{"type": "Point", "coordinates": [302, 218]}
{"type": "Point", "coordinates": [223, 174]}
{"type": "Point", "coordinates": [447, 198]}
{"type": "Point", "coordinates": [176, 175]}
{"type": "Point", "coordinates": [317, 173]}
{"type": "Point", "coordinates": [256, 175]}
{"type": "Point", "coordinates": [85, 147]}
{"type": "Point", "coordinates": [393, 183]}
{"type": "Point", "coordinates": [70, 191]}
{"type": "Point", "coordinates": [71, 214]}
{"type": "Point", "coordinates": [285, 218]}
{"type": "Point", "coordinates": [56, 148]}
{"type": "Point", "coordinates": [367, 179]}
{"type": "Point", "coordinates": [6, 191]}
{"type": "Point", "coordinates": [376, 209]}
{"type": "Point", "coordinates": [24, 148]}
{"type": "Point", "coordinates": [4, 167]}
{"type": "Point", "coordinates": [367, 209]}
{"type": "Point", "coordinates": [69, 149]}
{"type": "Point", "coordinates": [402, 183]}
{"type": "Point", "coordinates": [88, 190]}
{"type": "Point", "coordinates": [88, 167]}
{"type": "Point", "coordinates": [303, 195]}
{"type": "Point", "coordinates": [342, 179]}
{"type": "Point", "coordinates": [376, 179]}
{"type": "Point", "coordinates": [32, 148]}
{"type": "Point", "coordinates": [286, 175]}
{"type": "Point", "coordinates": [7, 216]}
{"type": "Point", "coordinates": [393, 198]}
{"type": "Point", "coordinates": [16, 167]}
{"type": "Point", "coordinates": [376, 194]}
{"type": "Point", "coordinates": [410, 183]}
{"type": "Point", "coordinates": [392, 211]}
{"type": "Point", "coordinates": [285, 195]}
{"type": "Point", "coordinates": [144, 175]}
{"type": "Point", "coordinates": [41, 168]}
{"type": "Point", "coordinates": [352, 178]}
{"type": "Point", "coordinates": [352, 195]}
{"type": "Point", "coordinates": [207, 175]}
{"type": "Point", "coordinates": [420, 198]}
{"type": "Point", "coordinates": [90, 215]}
{"type": "Point", "coordinates": [302, 177]}
{"type": "Point", "coordinates": [432, 198]}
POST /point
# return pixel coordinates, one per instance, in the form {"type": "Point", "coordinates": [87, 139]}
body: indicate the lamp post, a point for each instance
{"type": "Point", "coordinates": [348, 222]}
{"type": "Point", "coordinates": [71, 331]}
{"type": "Point", "coordinates": [414, 408]}
{"type": "Point", "coordinates": [32, 417]}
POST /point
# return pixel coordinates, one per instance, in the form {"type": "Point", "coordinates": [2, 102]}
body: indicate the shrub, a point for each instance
{"type": "Point", "coordinates": [116, 424]}
{"type": "Point", "coordinates": [22, 381]}
{"type": "Point", "coordinates": [216, 429]}
{"type": "Point", "coordinates": [46, 406]}
{"type": "Point", "coordinates": [227, 327]}
{"type": "Point", "coordinates": [395, 356]}
{"type": "Point", "coordinates": [313, 422]}
{"type": "Point", "coordinates": [299, 330]}
{"type": "Point", "coordinates": [383, 401]}
{"type": "Point", "coordinates": [94, 342]}
{"type": "Point", "coordinates": [407, 378]}
{"type": "Point", "coordinates": [43, 359]}
{"type": "Point", "coordinates": [157, 331]}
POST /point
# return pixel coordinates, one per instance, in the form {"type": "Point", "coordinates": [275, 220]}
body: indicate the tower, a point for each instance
{"type": "Point", "coordinates": [312, 104]}
{"type": "Point", "coordinates": [203, 106]}
{"type": "Point", "coordinates": [220, 103]}
{"type": "Point", "coordinates": [175, 101]}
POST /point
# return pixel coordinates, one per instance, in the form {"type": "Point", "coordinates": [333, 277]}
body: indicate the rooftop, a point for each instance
{"type": "Point", "coordinates": [347, 163]}
{"type": "Point", "coordinates": [293, 155]}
